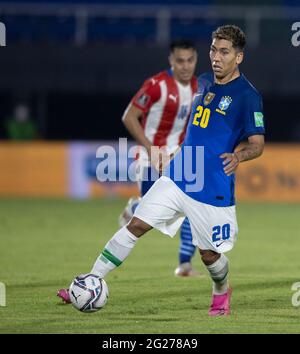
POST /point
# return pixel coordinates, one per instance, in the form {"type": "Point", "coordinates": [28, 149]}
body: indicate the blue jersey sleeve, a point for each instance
{"type": "Point", "coordinates": [253, 115]}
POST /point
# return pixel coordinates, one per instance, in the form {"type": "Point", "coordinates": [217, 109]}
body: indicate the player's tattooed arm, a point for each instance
{"type": "Point", "coordinates": [251, 151]}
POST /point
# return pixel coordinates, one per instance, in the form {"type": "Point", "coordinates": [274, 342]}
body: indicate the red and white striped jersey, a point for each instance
{"type": "Point", "coordinates": [166, 106]}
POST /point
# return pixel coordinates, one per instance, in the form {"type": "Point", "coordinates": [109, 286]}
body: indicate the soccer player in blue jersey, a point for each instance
{"type": "Point", "coordinates": [227, 110]}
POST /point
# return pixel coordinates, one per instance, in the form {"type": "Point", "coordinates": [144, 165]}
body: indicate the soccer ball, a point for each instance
{"type": "Point", "coordinates": [88, 293]}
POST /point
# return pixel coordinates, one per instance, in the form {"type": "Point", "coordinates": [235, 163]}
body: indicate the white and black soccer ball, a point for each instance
{"type": "Point", "coordinates": [88, 293]}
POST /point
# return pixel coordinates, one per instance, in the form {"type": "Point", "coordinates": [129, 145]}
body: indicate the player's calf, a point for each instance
{"type": "Point", "coordinates": [209, 257]}
{"type": "Point", "coordinates": [138, 227]}
{"type": "Point", "coordinates": [218, 267]}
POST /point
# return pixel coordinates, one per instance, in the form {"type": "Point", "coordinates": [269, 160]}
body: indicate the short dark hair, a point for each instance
{"type": "Point", "coordinates": [231, 33]}
{"type": "Point", "coordinates": [182, 44]}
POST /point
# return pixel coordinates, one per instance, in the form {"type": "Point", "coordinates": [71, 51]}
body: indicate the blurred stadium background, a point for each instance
{"type": "Point", "coordinates": [77, 64]}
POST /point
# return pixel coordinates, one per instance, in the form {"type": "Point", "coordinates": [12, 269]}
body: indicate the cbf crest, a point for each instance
{"type": "Point", "coordinates": [225, 102]}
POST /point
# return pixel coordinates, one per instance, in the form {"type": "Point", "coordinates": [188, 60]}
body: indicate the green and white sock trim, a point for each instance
{"type": "Point", "coordinates": [115, 252]}
{"type": "Point", "coordinates": [106, 255]}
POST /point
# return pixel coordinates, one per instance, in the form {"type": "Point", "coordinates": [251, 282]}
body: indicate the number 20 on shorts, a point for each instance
{"type": "Point", "coordinates": [221, 233]}
{"type": "Point", "coordinates": [201, 118]}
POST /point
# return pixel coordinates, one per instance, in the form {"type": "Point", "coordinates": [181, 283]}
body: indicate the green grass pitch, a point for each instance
{"type": "Point", "coordinates": [45, 243]}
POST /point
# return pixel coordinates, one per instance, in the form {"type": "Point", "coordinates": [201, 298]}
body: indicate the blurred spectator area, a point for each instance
{"type": "Point", "coordinates": [78, 63]}
{"type": "Point", "coordinates": [83, 22]}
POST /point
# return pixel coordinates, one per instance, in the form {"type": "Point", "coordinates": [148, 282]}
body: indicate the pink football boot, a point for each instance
{"type": "Point", "coordinates": [220, 304]}
{"type": "Point", "coordinates": [64, 295]}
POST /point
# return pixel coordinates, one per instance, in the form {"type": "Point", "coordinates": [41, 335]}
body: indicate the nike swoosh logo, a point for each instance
{"type": "Point", "coordinates": [220, 244]}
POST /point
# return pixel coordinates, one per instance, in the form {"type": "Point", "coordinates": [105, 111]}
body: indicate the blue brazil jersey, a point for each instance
{"type": "Point", "coordinates": [221, 117]}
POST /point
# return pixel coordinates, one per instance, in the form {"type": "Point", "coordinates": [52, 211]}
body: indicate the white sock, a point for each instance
{"type": "Point", "coordinates": [115, 252]}
{"type": "Point", "coordinates": [218, 272]}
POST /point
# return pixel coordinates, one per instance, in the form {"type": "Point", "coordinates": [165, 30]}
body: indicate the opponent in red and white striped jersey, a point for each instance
{"type": "Point", "coordinates": [158, 113]}
{"type": "Point", "coordinates": [157, 116]}
{"type": "Point", "coordinates": [165, 103]}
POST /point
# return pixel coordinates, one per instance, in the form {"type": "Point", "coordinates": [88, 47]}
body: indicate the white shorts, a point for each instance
{"type": "Point", "coordinates": [165, 206]}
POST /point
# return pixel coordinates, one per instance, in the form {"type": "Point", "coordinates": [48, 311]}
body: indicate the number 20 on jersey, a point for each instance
{"type": "Point", "coordinates": [201, 118]}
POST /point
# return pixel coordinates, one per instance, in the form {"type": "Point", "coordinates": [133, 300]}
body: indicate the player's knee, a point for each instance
{"type": "Point", "coordinates": [209, 257]}
{"type": "Point", "coordinates": [138, 227]}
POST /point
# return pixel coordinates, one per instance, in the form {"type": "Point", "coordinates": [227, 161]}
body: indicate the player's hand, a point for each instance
{"type": "Point", "coordinates": [230, 162]}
